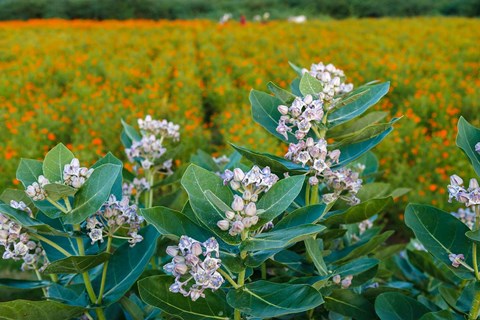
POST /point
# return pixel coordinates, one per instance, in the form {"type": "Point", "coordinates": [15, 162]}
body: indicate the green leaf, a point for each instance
{"type": "Point", "coordinates": [109, 158]}
{"type": "Point", "coordinates": [281, 238]}
{"type": "Point", "coordinates": [356, 267]}
{"type": "Point", "coordinates": [57, 191]}
{"type": "Point", "coordinates": [296, 68]}
{"type": "Point", "coordinates": [303, 215]}
{"type": "Point", "coordinates": [364, 134]}
{"type": "Point", "coordinates": [373, 190]}
{"type": "Point", "coordinates": [282, 94]}
{"type": "Point", "coordinates": [349, 304]}
{"type": "Point", "coordinates": [55, 161]}
{"type": "Point", "coordinates": [196, 181]}
{"type": "Point", "coordinates": [315, 253]}
{"type": "Point", "coordinates": [155, 291]}
{"type": "Point", "coordinates": [468, 136]}
{"type": "Point", "coordinates": [310, 85]}
{"type": "Point", "coordinates": [396, 306]}
{"type": "Point", "coordinates": [23, 284]}
{"type": "Point", "coordinates": [441, 234]}
{"type": "Point", "coordinates": [216, 201]}
{"type": "Point", "coordinates": [358, 213]}
{"type": "Point", "coordinates": [29, 223]}
{"type": "Point", "coordinates": [28, 171]}
{"type": "Point", "coordinates": [172, 223]}
{"type": "Point", "coordinates": [93, 193]}
{"type": "Point", "coordinates": [265, 299]}
{"type": "Point", "coordinates": [424, 262]}
{"type": "Point", "coordinates": [357, 125]}
{"type": "Point", "coordinates": [359, 249]}
{"type": "Point", "coordinates": [265, 113]}
{"type": "Point", "coordinates": [441, 315]}
{"type": "Point", "coordinates": [132, 308]}
{"type": "Point", "coordinates": [278, 199]}
{"type": "Point", "coordinates": [277, 165]}
{"type": "Point", "coordinates": [17, 195]}
{"type": "Point", "coordinates": [76, 264]}
{"type": "Point", "coordinates": [473, 235]}
{"type": "Point", "coordinates": [352, 151]}
{"type": "Point", "coordinates": [130, 131]}
{"type": "Point", "coordinates": [370, 95]}
{"type": "Point", "coordinates": [126, 265]}
{"type": "Point", "coordinates": [38, 310]}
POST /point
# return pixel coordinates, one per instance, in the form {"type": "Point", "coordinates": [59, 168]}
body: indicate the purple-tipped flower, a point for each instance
{"type": "Point", "coordinates": [456, 259]}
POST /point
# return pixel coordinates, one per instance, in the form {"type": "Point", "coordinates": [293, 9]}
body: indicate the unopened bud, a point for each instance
{"type": "Point", "coordinates": [251, 209]}
{"type": "Point", "coordinates": [456, 180]}
{"type": "Point", "coordinates": [308, 99]}
{"type": "Point", "coordinates": [197, 248]}
{"type": "Point", "coordinates": [181, 268]}
{"type": "Point", "coordinates": [223, 225]}
{"type": "Point", "coordinates": [172, 251]}
{"type": "Point", "coordinates": [238, 174]}
{"type": "Point", "coordinates": [282, 109]}
{"type": "Point", "coordinates": [230, 215]}
{"type": "Point", "coordinates": [473, 184]}
{"type": "Point", "coordinates": [237, 204]}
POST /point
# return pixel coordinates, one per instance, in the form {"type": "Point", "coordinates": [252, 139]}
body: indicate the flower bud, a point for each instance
{"type": "Point", "coordinates": [230, 215]}
{"type": "Point", "coordinates": [237, 204]}
{"type": "Point", "coordinates": [247, 195]}
{"type": "Point", "coordinates": [473, 184]}
{"type": "Point", "coordinates": [178, 259]}
{"type": "Point", "coordinates": [223, 225]}
{"type": "Point", "coordinates": [251, 209]}
{"type": "Point", "coordinates": [180, 268]}
{"type": "Point", "coordinates": [346, 282]}
{"type": "Point", "coordinates": [308, 99]}
{"type": "Point", "coordinates": [282, 109]}
{"type": "Point", "coordinates": [237, 227]}
{"type": "Point", "coordinates": [310, 142]}
{"type": "Point", "coordinates": [196, 248]}
{"type": "Point", "coordinates": [238, 174]}
{"type": "Point", "coordinates": [456, 180]}
{"type": "Point", "coordinates": [254, 197]}
{"type": "Point", "coordinates": [313, 181]}
{"type": "Point", "coordinates": [247, 222]}
{"type": "Point", "coordinates": [336, 279]}
{"type": "Point", "coordinates": [235, 185]}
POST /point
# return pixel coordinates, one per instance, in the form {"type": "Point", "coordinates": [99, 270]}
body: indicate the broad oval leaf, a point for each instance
{"type": "Point", "coordinates": [310, 85]}
{"type": "Point", "coordinates": [303, 215]}
{"type": "Point", "coordinates": [265, 299]}
{"type": "Point", "coordinates": [109, 158]}
{"type": "Point", "coordinates": [441, 234]}
{"type": "Point", "coordinates": [76, 264]}
{"type": "Point", "coordinates": [28, 171]}
{"type": "Point", "coordinates": [360, 105]}
{"type": "Point", "coordinates": [265, 113]}
{"type": "Point", "coordinates": [126, 265]}
{"type": "Point", "coordinates": [277, 165]}
{"type": "Point", "coordinates": [196, 182]}
{"type": "Point", "coordinates": [282, 94]}
{"type": "Point", "coordinates": [468, 136]}
{"type": "Point", "coordinates": [278, 199]}
{"type": "Point", "coordinates": [173, 223]}
{"type": "Point", "coordinates": [396, 306]}
{"type": "Point", "coordinates": [58, 191]}
{"type": "Point", "coordinates": [358, 213]}
{"type": "Point", "coordinates": [281, 238]}
{"type": "Point", "coordinates": [350, 304]}
{"type": "Point", "coordinates": [314, 249]}
{"type": "Point", "coordinates": [55, 161]}
{"type": "Point", "coordinates": [155, 291]}
{"type": "Point", "coordinates": [93, 193]}
{"type": "Point", "coordinates": [38, 310]}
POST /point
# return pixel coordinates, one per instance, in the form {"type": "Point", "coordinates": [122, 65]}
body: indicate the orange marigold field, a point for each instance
{"type": "Point", "coordinates": [72, 81]}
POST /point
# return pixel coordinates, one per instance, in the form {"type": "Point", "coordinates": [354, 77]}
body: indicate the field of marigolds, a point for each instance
{"type": "Point", "coordinates": [72, 82]}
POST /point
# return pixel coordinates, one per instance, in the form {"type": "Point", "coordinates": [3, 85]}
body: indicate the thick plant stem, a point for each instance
{"type": "Point", "coordinates": [86, 277]}
{"type": "Point", "coordinates": [104, 272]}
{"type": "Point", "coordinates": [57, 205]}
{"type": "Point", "coordinates": [307, 194]}
{"type": "Point", "coordinates": [241, 281]}
{"type": "Point", "coordinates": [228, 278]}
{"type": "Point", "coordinates": [51, 243]}
{"type": "Point", "coordinates": [39, 277]}
{"type": "Point", "coordinates": [67, 204]}
{"type": "Point", "coordinates": [476, 299]}
{"type": "Point", "coordinates": [314, 195]}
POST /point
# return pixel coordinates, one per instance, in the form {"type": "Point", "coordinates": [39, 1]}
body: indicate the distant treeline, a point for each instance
{"type": "Point", "coordinates": [214, 9]}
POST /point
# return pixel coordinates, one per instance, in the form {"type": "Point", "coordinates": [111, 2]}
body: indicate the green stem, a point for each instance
{"type": "Point", "coordinates": [314, 194]}
{"type": "Point", "coordinates": [153, 261]}
{"type": "Point", "coordinates": [307, 194]}
{"type": "Point", "coordinates": [51, 243]}
{"type": "Point", "coordinates": [67, 203]}
{"type": "Point", "coordinates": [229, 279]}
{"type": "Point", "coordinates": [86, 277]}
{"type": "Point", "coordinates": [39, 277]}
{"type": "Point", "coordinates": [57, 205]}
{"type": "Point", "coordinates": [104, 272]}
{"type": "Point", "coordinates": [264, 271]}
{"type": "Point", "coordinates": [54, 277]}
{"type": "Point", "coordinates": [476, 299]}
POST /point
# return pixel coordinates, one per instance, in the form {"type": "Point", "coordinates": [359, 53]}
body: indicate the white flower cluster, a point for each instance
{"type": "Point", "coordinates": [36, 191]}
{"type": "Point", "coordinates": [73, 176]}
{"type": "Point", "coordinates": [332, 79]}
{"type": "Point", "coordinates": [302, 114]}
{"type": "Point", "coordinates": [150, 147]}
{"type": "Point", "coordinates": [344, 183]}
{"type": "Point", "coordinates": [244, 212]}
{"type": "Point", "coordinates": [112, 216]}
{"type": "Point", "coordinates": [467, 216]}
{"type": "Point", "coordinates": [187, 265]}
{"type": "Point", "coordinates": [135, 188]}
{"type": "Point", "coordinates": [345, 283]}
{"type": "Point", "coordinates": [17, 242]}
{"type": "Point", "coordinates": [456, 259]}
{"type": "Point", "coordinates": [469, 196]}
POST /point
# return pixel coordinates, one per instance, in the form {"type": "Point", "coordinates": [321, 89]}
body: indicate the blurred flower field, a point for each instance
{"type": "Point", "coordinates": [72, 82]}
